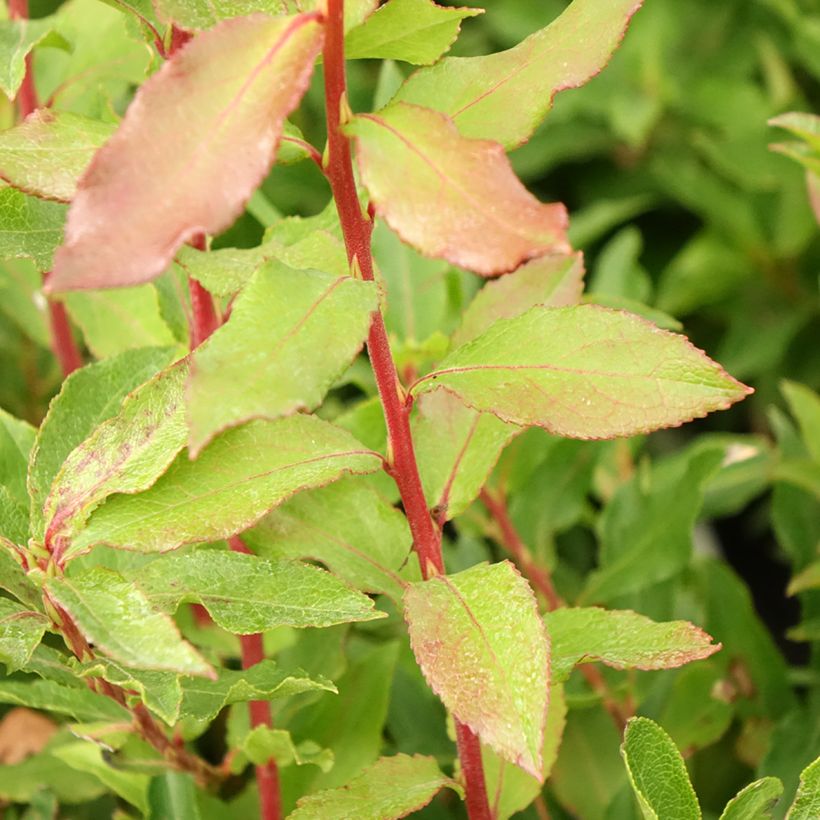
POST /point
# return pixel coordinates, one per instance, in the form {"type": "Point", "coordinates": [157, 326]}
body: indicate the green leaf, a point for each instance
{"type": "Point", "coordinates": [172, 794]}
{"type": "Point", "coordinates": [246, 594]}
{"type": "Point", "coordinates": [285, 361]}
{"type": "Point", "coordinates": [29, 228]}
{"type": "Point", "coordinates": [125, 454]}
{"type": "Point", "coordinates": [806, 803]}
{"type": "Point", "coordinates": [348, 527]}
{"type": "Point", "coordinates": [414, 31]}
{"type": "Point", "coordinates": [392, 787]}
{"type": "Point", "coordinates": [657, 773]}
{"type": "Point", "coordinates": [21, 299]}
{"type": "Point", "coordinates": [204, 699]}
{"type": "Point", "coordinates": [803, 125]}
{"type": "Point", "coordinates": [88, 397]}
{"type": "Point", "coordinates": [460, 627]}
{"type": "Point", "coordinates": [755, 802]}
{"type": "Point", "coordinates": [262, 744]}
{"type": "Point", "coordinates": [16, 440]}
{"type": "Point", "coordinates": [622, 639]}
{"type": "Point", "coordinates": [809, 578]}
{"type": "Point", "coordinates": [20, 632]}
{"type": "Point", "coordinates": [79, 703]}
{"type": "Point", "coordinates": [570, 369]}
{"type": "Point", "coordinates": [804, 404]}
{"type": "Point", "coordinates": [551, 281]}
{"type": "Point", "coordinates": [119, 320]}
{"type": "Point", "coordinates": [47, 153]}
{"type": "Point", "coordinates": [225, 271]}
{"type": "Point", "coordinates": [486, 221]}
{"type": "Point", "coordinates": [13, 577]}
{"type": "Point", "coordinates": [116, 617]}
{"type": "Point", "coordinates": [241, 115]}
{"type": "Point", "coordinates": [238, 478]}
{"type": "Point", "coordinates": [456, 448]}
{"type": "Point", "coordinates": [17, 39]}
{"type": "Point", "coordinates": [504, 96]}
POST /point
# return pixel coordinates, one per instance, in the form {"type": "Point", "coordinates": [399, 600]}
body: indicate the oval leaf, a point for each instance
{"type": "Point", "coordinates": [465, 205]}
{"type": "Point", "coordinates": [196, 136]}
{"type": "Point", "coordinates": [585, 372]}
{"type": "Point", "coordinates": [755, 802]}
{"type": "Point", "coordinates": [460, 630]}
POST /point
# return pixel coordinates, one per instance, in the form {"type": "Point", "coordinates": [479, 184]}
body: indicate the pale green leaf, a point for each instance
{"type": "Point", "coordinates": [22, 301]}
{"type": "Point", "coordinates": [14, 520]}
{"type": "Point", "coordinates": [621, 638]}
{"type": "Point", "coordinates": [571, 370]}
{"type": "Point", "coordinates": [246, 594]}
{"type": "Point", "coordinates": [20, 632]}
{"type": "Point", "coordinates": [286, 359]}
{"type": "Point", "coordinates": [803, 125]}
{"type": "Point", "coordinates": [552, 281]}
{"type": "Point", "coordinates": [755, 802]}
{"type": "Point", "coordinates": [79, 703]}
{"type": "Point", "coordinates": [13, 578]}
{"type": "Point", "coordinates": [485, 220]}
{"type": "Point", "coordinates": [348, 527]}
{"type": "Point", "coordinates": [47, 153]}
{"type": "Point", "coordinates": [809, 578]}
{"type": "Point", "coordinates": [125, 454]}
{"type": "Point", "coordinates": [460, 629]}
{"type": "Point", "coordinates": [392, 787]}
{"type": "Point", "coordinates": [414, 31]}
{"type": "Point", "coordinates": [485, 95]}
{"type": "Point", "coordinates": [262, 744]}
{"type": "Point", "coordinates": [17, 39]}
{"type": "Point", "coordinates": [804, 404]}
{"type": "Point", "coordinates": [657, 773]}
{"type": "Point", "coordinates": [172, 794]}
{"type": "Point", "coordinates": [88, 397]}
{"type": "Point", "coordinates": [239, 477]}
{"type": "Point", "coordinates": [29, 228]}
{"type": "Point", "coordinates": [16, 440]}
{"type": "Point", "coordinates": [225, 271]}
{"type": "Point", "coordinates": [117, 618]}
{"type": "Point", "coordinates": [806, 805]}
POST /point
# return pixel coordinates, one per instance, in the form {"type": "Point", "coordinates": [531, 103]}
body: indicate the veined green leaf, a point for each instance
{"type": "Point", "coordinates": [20, 632]}
{"type": "Point", "coordinates": [484, 95]}
{"type": "Point", "coordinates": [806, 804]}
{"type": "Point", "coordinates": [199, 136]}
{"type": "Point", "coordinates": [755, 802]}
{"type": "Point", "coordinates": [47, 153]}
{"type": "Point", "coordinates": [116, 617]}
{"type": "Point", "coordinates": [262, 744]}
{"type": "Point", "coordinates": [13, 577]}
{"type": "Point", "coordinates": [286, 360]}
{"type": "Point", "coordinates": [17, 39]}
{"type": "Point", "coordinates": [16, 439]}
{"type": "Point", "coordinates": [125, 454]}
{"type": "Point", "coordinates": [485, 220]}
{"type": "Point", "coordinates": [621, 638]}
{"type": "Point", "coordinates": [29, 228]}
{"type": "Point", "coordinates": [79, 703]}
{"type": "Point", "coordinates": [246, 594]}
{"type": "Point", "coordinates": [88, 397]}
{"type": "Point", "coordinates": [392, 787]}
{"type": "Point", "coordinates": [657, 773]}
{"type": "Point", "coordinates": [414, 31]}
{"type": "Point", "coordinates": [585, 372]}
{"type": "Point", "coordinates": [238, 478]}
{"type": "Point", "coordinates": [460, 627]}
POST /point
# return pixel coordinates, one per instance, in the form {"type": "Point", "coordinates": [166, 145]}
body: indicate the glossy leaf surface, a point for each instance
{"type": "Point", "coordinates": [466, 204]}
{"type": "Point", "coordinates": [460, 627]}
{"type": "Point", "coordinates": [198, 135]}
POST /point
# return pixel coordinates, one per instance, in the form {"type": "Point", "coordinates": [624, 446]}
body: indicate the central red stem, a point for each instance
{"type": "Point", "coordinates": [357, 229]}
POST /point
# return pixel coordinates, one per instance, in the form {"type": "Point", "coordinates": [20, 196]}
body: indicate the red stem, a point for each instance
{"type": "Point", "coordinates": [357, 229]}
{"type": "Point", "coordinates": [27, 95]}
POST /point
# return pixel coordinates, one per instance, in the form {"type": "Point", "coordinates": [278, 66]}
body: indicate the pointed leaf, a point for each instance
{"type": "Point", "coordinates": [29, 228]}
{"type": "Point", "coordinates": [348, 527]}
{"type": "Point", "coordinates": [125, 454]}
{"type": "Point", "coordinates": [755, 802]}
{"type": "Point", "coordinates": [13, 578]}
{"type": "Point", "coordinates": [809, 578]}
{"type": "Point", "coordinates": [47, 153]}
{"type": "Point", "coordinates": [622, 639]}
{"type": "Point", "coordinates": [551, 281]}
{"type": "Point", "coordinates": [460, 627]}
{"type": "Point", "coordinates": [806, 804]}
{"type": "Point", "coordinates": [286, 360]}
{"type": "Point", "coordinates": [804, 404]}
{"type": "Point", "coordinates": [88, 397]}
{"type": "Point", "coordinates": [16, 440]}
{"type": "Point", "coordinates": [484, 95]}
{"type": "Point", "coordinates": [485, 220]}
{"type": "Point", "coordinates": [17, 39]}
{"type": "Point", "coordinates": [198, 136]}
{"type": "Point", "coordinates": [262, 744]}
{"type": "Point", "coordinates": [392, 787]}
{"type": "Point", "coordinates": [585, 372]}
{"type": "Point", "coordinates": [245, 594]}
{"type": "Point", "coordinates": [456, 448]}
{"type": "Point", "coordinates": [20, 632]}
{"type": "Point", "coordinates": [239, 477]}
{"type": "Point", "coordinates": [415, 31]}
{"type": "Point", "coordinates": [657, 773]}
{"type": "Point", "coordinates": [172, 794]}
{"type": "Point", "coordinates": [116, 617]}
{"type": "Point", "coordinates": [79, 703]}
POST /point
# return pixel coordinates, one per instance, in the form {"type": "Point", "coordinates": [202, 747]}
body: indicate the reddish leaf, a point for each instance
{"type": "Point", "coordinates": [198, 138]}
{"type": "Point", "coordinates": [465, 204]}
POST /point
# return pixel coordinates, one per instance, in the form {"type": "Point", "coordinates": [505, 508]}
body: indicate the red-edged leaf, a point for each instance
{"type": "Point", "coordinates": [481, 644]}
{"type": "Point", "coordinates": [465, 203]}
{"type": "Point", "coordinates": [198, 138]}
